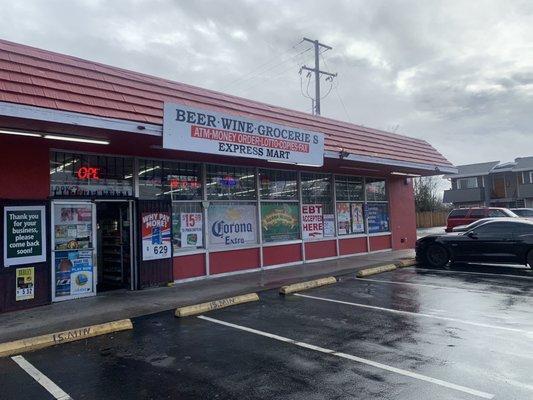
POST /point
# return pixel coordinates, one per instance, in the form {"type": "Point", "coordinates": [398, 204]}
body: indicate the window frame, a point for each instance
{"type": "Point", "coordinates": [467, 179]}
{"type": "Point", "coordinates": [206, 176]}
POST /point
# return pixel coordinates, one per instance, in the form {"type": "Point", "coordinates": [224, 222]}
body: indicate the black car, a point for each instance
{"type": "Point", "coordinates": [495, 242]}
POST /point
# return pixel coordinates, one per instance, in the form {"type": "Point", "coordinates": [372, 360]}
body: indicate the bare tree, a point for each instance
{"type": "Point", "coordinates": [427, 194]}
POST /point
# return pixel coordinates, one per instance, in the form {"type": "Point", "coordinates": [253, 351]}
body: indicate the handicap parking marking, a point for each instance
{"type": "Point", "coordinates": [391, 310]}
{"type": "Point", "coordinates": [445, 287]}
{"type": "Point", "coordinates": [42, 379]}
{"type": "Point", "coordinates": [357, 359]}
{"type": "Point", "coordinates": [453, 271]}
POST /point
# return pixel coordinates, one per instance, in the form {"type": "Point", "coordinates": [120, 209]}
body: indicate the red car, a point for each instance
{"type": "Point", "coordinates": [465, 216]}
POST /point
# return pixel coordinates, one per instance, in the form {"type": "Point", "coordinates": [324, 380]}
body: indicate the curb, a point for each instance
{"type": "Point", "coordinates": [296, 287]}
{"type": "Point", "coordinates": [407, 262]}
{"type": "Point", "coordinates": [375, 270]}
{"type": "Point", "coordinates": [214, 305]}
{"type": "Point", "coordinates": [52, 339]}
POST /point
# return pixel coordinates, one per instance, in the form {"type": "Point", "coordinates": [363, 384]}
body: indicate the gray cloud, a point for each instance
{"type": "Point", "coordinates": [458, 74]}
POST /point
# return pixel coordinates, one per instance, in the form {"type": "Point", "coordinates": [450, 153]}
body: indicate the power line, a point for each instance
{"type": "Point", "coordinates": [266, 67]}
{"type": "Point", "coordinates": [261, 78]}
{"type": "Point", "coordinates": [264, 64]}
{"type": "Point", "coordinates": [337, 93]}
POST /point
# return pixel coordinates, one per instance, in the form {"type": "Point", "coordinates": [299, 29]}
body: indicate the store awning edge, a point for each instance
{"type": "Point", "coordinates": [92, 121]}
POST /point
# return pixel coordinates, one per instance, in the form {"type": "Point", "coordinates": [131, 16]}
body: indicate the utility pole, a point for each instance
{"type": "Point", "coordinates": [317, 71]}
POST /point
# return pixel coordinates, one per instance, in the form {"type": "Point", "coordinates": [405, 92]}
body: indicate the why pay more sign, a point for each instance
{"type": "Point", "coordinates": [24, 235]}
{"type": "Point", "coordinates": [191, 129]}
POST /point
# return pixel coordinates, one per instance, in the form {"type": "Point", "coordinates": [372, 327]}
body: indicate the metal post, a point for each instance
{"type": "Point", "coordinates": [317, 78]}
{"type": "Point", "coordinates": [316, 70]}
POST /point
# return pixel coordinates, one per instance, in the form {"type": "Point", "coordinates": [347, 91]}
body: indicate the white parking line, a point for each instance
{"type": "Point", "coordinates": [42, 379]}
{"type": "Point", "coordinates": [444, 287]}
{"type": "Point", "coordinates": [365, 361]}
{"type": "Point", "coordinates": [452, 271]}
{"type": "Point", "coordinates": [391, 310]}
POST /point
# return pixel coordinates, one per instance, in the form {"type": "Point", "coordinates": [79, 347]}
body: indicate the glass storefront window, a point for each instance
{"type": "Point", "coordinates": [316, 189]}
{"type": "Point", "coordinates": [73, 174]}
{"type": "Point", "coordinates": [349, 188]}
{"type": "Point", "coordinates": [278, 185]}
{"type": "Point", "coordinates": [170, 180]}
{"type": "Point", "coordinates": [232, 224]}
{"type": "Point", "coordinates": [280, 221]}
{"type": "Point", "coordinates": [187, 226]}
{"type": "Point", "coordinates": [375, 189]}
{"type": "Point", "coordinates": [378, 217]}
{"type": "Point", "coordinates": [230, 183]}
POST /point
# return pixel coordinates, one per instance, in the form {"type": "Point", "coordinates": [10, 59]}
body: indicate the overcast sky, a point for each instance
{"type": "Point", "coordinates": [456, 73]}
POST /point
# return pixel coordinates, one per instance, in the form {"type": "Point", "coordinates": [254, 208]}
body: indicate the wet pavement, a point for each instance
{"type": "Point", "coordinates": [413, 333]}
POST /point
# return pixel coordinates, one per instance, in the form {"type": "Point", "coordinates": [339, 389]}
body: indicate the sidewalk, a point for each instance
{"type": "Point", "coordinates": [110, 306]}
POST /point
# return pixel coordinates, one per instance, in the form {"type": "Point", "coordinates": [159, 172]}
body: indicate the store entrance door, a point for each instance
{"type": "Point", "coordinates": [73, 249]}
{"type": "Point", "coordinates": [114, 244]}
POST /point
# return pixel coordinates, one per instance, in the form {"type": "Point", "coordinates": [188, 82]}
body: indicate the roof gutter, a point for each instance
{"type": "Point", "coordinates": [436, 169]}
{"type": "Point", "coordinates": [72, 118]}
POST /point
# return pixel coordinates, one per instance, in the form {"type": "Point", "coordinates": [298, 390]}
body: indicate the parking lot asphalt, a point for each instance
{"type": "Point", "coordinates": [414, 333]}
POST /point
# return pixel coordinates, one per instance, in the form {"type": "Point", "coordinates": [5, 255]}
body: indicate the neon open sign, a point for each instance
{"type": "Point", "coordinates": [88, 173]}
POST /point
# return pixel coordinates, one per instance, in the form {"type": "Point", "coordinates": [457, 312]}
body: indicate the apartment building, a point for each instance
{"type": "Point", "coordinates": [492, 183]}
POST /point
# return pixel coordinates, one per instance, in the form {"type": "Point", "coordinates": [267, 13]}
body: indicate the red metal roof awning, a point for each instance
{"type": "Point", "coordinates": [40, 78]}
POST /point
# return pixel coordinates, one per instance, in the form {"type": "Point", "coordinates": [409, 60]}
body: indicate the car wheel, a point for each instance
{"type": "Point", "coordinates": [437, 256]}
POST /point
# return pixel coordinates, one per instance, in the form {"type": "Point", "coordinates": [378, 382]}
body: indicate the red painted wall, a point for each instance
{"type": "Point", "coordinates": [24, 168]}
{"type": "Point", "coordinates": [236, 260]}
{"type": "Point", "coordinates": [352, 246]}
{"type": "Point", "coordinates": [188, 266]}
{"type": "Point", "coordinates": [275, 255]}
{"type": "Point", "coordinates": [314, 250]}
{"type": "Point", "coordinates": [402, 213]}
{"type": "Point", "coordinates": [380, 242]}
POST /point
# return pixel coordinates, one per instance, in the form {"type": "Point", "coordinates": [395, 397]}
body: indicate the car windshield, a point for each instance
{"type": "Point", "coordinates": [524, 212]}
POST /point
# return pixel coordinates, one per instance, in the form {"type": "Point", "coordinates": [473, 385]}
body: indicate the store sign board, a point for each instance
{"type": "Point", "coordinates": [24, 235]}
{"type": "Point", "coordinates": [191, 229]}
{"type": "Point", "coordinates": [312, 221]}
{"type": "Point", "coordinates": [25, 284]}
{"type": "Point", "coordinates": [231, 225]}
{"type": "Point", "coordinates": [280, 222]}
{"type": "Point", "coordinates": [92, 190]}
{"type": "Point", "coordinates": [156, 237]}
{"type": "Point", "coordinates": [192, 129]}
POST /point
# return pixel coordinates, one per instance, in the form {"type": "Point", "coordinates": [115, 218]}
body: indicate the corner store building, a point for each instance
{"type": "Point", "coordinates": [132, 210]}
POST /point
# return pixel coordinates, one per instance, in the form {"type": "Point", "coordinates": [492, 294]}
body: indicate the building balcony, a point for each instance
{"type": "Point", "coordinates": [464, 195]}
{"type": "Point", "coordinates": [526, 190]}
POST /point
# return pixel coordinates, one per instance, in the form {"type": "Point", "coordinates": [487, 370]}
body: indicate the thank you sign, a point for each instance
{"type": "Point", "coordinates": [24, 235]}
{"type": "Point", "coordinates": [192, 129]}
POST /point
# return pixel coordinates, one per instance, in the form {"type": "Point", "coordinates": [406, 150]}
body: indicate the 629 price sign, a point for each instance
{"type": "Point", "coordinates": [156, 235]}
{"type": "Point", "coordinates": [161, 249]}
